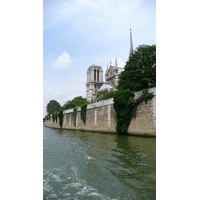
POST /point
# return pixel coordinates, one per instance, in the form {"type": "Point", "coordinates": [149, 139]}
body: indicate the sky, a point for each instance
{"type": "Point", "coordinates": [79, 33]}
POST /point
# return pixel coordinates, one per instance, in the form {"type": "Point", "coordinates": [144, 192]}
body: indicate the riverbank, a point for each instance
{"type": "Point", "coordinates": [101, 117]}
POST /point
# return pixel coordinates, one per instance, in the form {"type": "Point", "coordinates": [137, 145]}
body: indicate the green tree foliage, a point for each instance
{"type": "Point", "coordinates": [139, 74]}
{"type": "Point", "coordinates": [76, 102]}
{"type": "Point", "coordinates": [140, 70]}
{"type": "Point", "coordinates": [47, 117]}
{"type": "Point", "coordinates": [53, 106]}
{"type": "Point", "coordinates": [105, 94]}
{"type": "Point", "coordinates": [124, 110]}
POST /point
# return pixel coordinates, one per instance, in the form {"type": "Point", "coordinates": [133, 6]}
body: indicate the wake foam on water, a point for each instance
{"type": "Point", "coordinates": [72, 185]}
{"type": "Point", "coordinates": [89, 158]}
{"type": "Point", "coordinates": [80, 187]}
{"type": "Point", "coordinates": [59, 183]}
{"type": "Point", "coordinates": [88, 191]}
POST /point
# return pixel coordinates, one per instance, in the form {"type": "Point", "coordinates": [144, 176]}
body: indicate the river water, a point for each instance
{"type": "Point", "coordinates": [86, 165]}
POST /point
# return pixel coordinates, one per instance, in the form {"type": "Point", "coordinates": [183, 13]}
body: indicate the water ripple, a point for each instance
{"type": "Point", "coordinates": [84, 165]}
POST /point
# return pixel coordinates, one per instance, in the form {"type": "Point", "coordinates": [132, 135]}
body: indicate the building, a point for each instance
{"type": "Point", "coordinates": [94, 81]}
{"type": "Point", "coordinates": [112, 74]}
{"type": "Point", "coordinates": [95, 77]}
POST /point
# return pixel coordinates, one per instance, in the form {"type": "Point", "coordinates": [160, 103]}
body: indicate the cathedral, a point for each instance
{"type": "Point", "coordinates": [94, 81]}
{"type": "Point", "coordinates": [95, 77]}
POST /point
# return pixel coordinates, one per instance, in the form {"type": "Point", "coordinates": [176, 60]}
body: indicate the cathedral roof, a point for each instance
{"type": "Point", "coordinates": [105, 86]}
{"type": "Point", "coordinates": [95, 67]}
{"type": "Point", "coordinates": [120, 69]}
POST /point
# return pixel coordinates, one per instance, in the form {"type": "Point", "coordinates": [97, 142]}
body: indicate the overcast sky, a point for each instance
{"type": "Point", "coordinates": [79, 33]}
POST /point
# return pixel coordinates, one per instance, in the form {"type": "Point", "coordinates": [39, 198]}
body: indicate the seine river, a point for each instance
{"type": "Point", "coordinates": [85, 165]}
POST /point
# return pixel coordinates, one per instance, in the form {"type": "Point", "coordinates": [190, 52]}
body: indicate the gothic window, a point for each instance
{"type": "Point", "coordinates": [98, 75]}
{"type": "Point", "coordinates": [95, 74]}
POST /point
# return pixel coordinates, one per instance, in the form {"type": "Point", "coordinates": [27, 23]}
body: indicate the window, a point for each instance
{"type": "Point", "coordinates": [95, 74]}
{"type": "Point", "coordinates": [98, 75]}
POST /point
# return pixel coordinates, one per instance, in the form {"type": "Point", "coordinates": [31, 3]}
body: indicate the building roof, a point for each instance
{"type": "Point", "coordinates": [120, 69]}
{"type": "Point", "coordinates": [105, 86]}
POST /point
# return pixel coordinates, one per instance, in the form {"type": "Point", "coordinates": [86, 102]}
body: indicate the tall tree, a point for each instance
{"type": "Point", "coordinates": [52, 106]}
{"type": "Point", "coordinates": [140, 70]}
{"type": "Point", "coordinates": [139, 74]}
{"type": "Point", "coordinates": [76, 102]}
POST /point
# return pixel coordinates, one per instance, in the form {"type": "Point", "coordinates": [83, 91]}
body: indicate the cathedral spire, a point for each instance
{"type": "Point", "coordinates": [116, 62]}
{"type": "Point", "coordinates": [131, 44]}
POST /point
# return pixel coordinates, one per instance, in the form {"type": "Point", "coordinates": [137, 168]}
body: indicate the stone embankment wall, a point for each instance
{"type": "Point", "coordinates": [101, 117]}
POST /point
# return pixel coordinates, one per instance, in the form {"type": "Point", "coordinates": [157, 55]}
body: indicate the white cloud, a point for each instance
{"type": "Point", "coordinates": [63, 61]}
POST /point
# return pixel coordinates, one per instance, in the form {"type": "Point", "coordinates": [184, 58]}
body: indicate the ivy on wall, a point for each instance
{"type": "Point", "coordinates": [54, 116]}
{"type": "Point", "coordinates": [124, 110]}
{"type": "Point", "coordinates": [60, 115]}
{"type": "Point", "coordinates": [74, 115]}
{"type": "Point", "coordinates": [126, 107]}
{"type": "Point", "coordinates": [83, 113]}
{"type": "Point", "coordinates": [47, 117]}
{"type": "Point", "coordinates": [143, 98]}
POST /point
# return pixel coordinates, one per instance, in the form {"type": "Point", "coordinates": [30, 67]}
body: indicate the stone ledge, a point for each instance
{"type": "Point", "coordinates": [71, 110]}
{"type": "Point", "coordinates": [139, 93]}
{"type": "Point", "coordinates": [68, 111]}
{"type": "Point", "coordinates": [100, 104]}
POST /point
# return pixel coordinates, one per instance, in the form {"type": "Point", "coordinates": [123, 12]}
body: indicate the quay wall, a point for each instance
{"type": "Point", "coordinates": [101, 117]}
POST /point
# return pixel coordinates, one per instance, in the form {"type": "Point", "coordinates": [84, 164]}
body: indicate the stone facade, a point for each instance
{"type": "Point", "coordinates": [112, 74]}
{"type": "Point", "coordinates": [51, 123]}
{"type": "Point", "coordinates": [94, 81]}
{"type": "Point", "coordinates": [101, 117]}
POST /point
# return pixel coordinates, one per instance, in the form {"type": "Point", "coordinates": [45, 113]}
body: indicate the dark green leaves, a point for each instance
{"type": "Point", "coordinates": [105, 94]}
{"type": "Point", "coordinates": [139, 74]}
{"type": "Point", "coordinates": [124, 109]}
{"type": "Point", "coordinates": [76, 102]}
{"type": "Point", "coordinates": [83, 113]}
{"type": "Point", "coordinates": [53, 106]}
{"type": "Point", "coordinates": [140, 70]}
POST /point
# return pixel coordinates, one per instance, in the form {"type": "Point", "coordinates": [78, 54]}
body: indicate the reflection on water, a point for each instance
{"type": "Point", "coordinates": [85, 165]}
